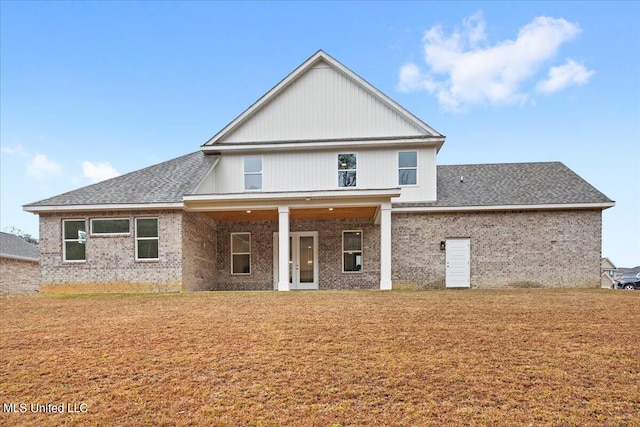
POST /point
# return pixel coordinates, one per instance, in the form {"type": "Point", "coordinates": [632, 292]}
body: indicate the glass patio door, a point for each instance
{"type": "Point", "coordinates": [303, 260]}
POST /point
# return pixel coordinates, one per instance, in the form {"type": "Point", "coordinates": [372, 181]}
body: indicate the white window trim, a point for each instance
{"type": "Point", "coordinates": [245, 173]}
{"type": "Point", "coordinates": [128, 233]}
{"type": "Point", "coordinates": [405, 168]}
{"type": "Point", "coordinates": [342, 252]}
{"type": "Point", "coordinates": [239, 253]}
{"type": "Point", "coordinates": [64, 241]}
{"type": "Point", "coordinates": [347, 170]}
{"type": "Point", "coordinates": [157, 238]}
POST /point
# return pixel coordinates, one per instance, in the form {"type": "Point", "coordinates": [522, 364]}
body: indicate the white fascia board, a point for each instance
{"type": "Point", "coordinates": [111, 207]}
{"type": "Point", "coordinates": [19, 258]}
{"type": "Point", "coordinates": [316, 145]}
{"type": "Point", "coordinates": [504, 207]}
{"type": "Point", "coordinates": [242, 201]}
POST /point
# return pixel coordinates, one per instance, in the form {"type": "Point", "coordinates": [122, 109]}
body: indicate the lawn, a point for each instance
{"type": "Point", "coordinates": [516, 357]}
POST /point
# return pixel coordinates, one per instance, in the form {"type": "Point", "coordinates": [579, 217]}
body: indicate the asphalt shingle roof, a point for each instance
{"type": "Point", "coordinates": [483, 185]}
{"type": "Point", "coordinates": [165, 182]}
{"type": "Point", "coordinates": [15, 246]}
{"type": "Point", "coordinates": [511, 184]}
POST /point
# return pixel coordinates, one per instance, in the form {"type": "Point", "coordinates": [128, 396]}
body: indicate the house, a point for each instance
{"type": "Point", "coordinates": [323, 183]}
{"type": "Point", "coordinates": [19, 265]}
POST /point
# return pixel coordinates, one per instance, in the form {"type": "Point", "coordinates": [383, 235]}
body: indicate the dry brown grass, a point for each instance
{"type": "Point", "coordinates": [518, 357]}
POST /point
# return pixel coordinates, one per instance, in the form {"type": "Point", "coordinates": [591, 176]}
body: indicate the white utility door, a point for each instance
{"type": "Point", "coordinates": [303, 260]}
{"type": "Point", "coordinates": [458, 258]}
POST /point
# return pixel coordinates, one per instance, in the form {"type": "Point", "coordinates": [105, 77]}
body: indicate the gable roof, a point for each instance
{"type": "Point", "coordinates": [511, 184]}
{"type": "Point", "coordinates": [15, 247]}
{"type": "Point", "coordinates": [164, 183]}
{"type": "Point", "coordinates": [321, 100]}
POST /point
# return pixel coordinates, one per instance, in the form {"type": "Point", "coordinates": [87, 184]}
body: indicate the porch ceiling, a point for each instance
{"type": "Point", "coordinates": [365, 212]}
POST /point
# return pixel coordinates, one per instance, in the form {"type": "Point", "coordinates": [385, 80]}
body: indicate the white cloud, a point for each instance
{"type": "Point", "coordinates": [41, 167]}
{"type": "Point", "coordinates": [17, 150]}
{"type": "Point", "coordinates": [98, 171]}
{"type": "Point", "coordinates": [464, 69]}
{"type": "Point", "coordinates": [563, 76]}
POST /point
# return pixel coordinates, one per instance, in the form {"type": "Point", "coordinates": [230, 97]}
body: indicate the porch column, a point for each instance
{"type": "Point", "coordinates": [283, 248]}
{"type": "Point", "coordinates": [385, 246]}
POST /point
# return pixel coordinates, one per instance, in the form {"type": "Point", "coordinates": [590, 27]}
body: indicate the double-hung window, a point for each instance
{"type": "Point", "coordinates": [347, 170]}
{"type": "Point", "coordinates": [240, 253]}
{"type": "Point", "coordinates": [146, 239]}
{"type": "Point", "coordinates": [74, 240]}
{"type": "Point", "coordinates": [253, 173]}
{"type": "Point", "coordinates": [407, 168]}
{"type": "Point", "coordinates": [351, 251]}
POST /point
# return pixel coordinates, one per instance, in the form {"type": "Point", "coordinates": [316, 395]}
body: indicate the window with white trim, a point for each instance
{"type": "Point", "coordinates": [74, 236]}
{"type": "Point", "coordinates": [110, 226]}
{"type": "Point", "coordinates": [147, 239]}
{"type": "Point", "coordinates": [253, 173]}
{"type": "Point", "coordinates": [240, 253]}
{"type": "Point", "coordinates": [352, 251]}
{"type": "Point", "coordinates": [407, 168]}
{"type": "Point", "coordinates": [347, 168]}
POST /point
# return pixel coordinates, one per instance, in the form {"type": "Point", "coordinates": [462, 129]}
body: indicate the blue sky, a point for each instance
{"type": "Point", "coordinates": [93, 89]}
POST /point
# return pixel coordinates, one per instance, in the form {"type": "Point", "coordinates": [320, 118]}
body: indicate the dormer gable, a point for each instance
{"type": "Point", "coordinates": [322, 100]}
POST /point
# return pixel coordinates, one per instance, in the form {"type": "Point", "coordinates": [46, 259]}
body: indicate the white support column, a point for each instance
{"type": "Point", "coordinates": [283, 248]}
{"type": "Point", "coordinates": [385, 246]}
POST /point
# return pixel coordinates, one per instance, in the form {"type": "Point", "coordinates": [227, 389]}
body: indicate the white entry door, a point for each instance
{"type": "Point", "coordinates": [458, 259]}
{"type": "Point", "coordinates": [303, 260]}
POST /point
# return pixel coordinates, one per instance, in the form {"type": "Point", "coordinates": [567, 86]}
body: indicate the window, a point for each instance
{"type": "Point", "coordinates": [407, 168]}
{"type": "Point", "coordinates": [74, 239]}
{"type": "Point", "coordinates": [147, 238]}
{"type": "Point", "coordinates": [351, 251]}
{"type": "Point", "coordinates": [346, 170]}
{"type": "Point", "coordinates": [240, 253]}
{"type": "Point", "coordinates": [110, 226]}
{"type": "Point", "coordinates": [253, 173]}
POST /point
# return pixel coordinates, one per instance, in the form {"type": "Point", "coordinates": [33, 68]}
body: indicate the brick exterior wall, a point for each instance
{"type": "Point", "coordinates": [199, 246]}
{"type": "Point", "coordinates": [19, 276]}
{"type": "Point", "coordinates": [110, 264]}
{"type": "Point", "coordinates": [508, 249]}
{"type": "Point", "coordinates": [329, 254]}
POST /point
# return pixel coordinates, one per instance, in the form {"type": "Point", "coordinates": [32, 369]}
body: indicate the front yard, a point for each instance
{"type": "Point", "coordinates": [517, 357]}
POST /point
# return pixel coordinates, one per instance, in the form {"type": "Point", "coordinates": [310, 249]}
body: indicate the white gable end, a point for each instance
{"type": "Point", "coordinates": [322, 102]}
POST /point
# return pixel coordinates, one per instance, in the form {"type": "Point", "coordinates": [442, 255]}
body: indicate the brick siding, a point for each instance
{"type": "Point", "coordinates": [509, 249]}
{"type": "Point", "coordinates": [110, 264]}
{"type": "Point", "coordinates": [19, 276]}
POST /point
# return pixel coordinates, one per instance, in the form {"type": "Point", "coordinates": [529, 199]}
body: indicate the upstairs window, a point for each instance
{"type": "Point", "coordinates": [74, 239]}
{"type": "Point", "coordinates": [346, 170]}
{"type": "Point", "coordinates": [407, 168]}
{"type": "Point", "coordinates": [253, 173]}
{"type": "Point", "coordinates": [146, 239]}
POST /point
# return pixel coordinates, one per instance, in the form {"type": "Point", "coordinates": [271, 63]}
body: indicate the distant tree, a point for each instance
{"type": "Point", "coordinates": [26, 236]}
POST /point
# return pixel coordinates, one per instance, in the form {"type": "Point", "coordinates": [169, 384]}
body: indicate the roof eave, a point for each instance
{"type": "Point", "coordinates": [426, 140]}
{"type": "Point", "coordinates": [37, 209]}
{"type": "Point", "coordinates": [551, 206]}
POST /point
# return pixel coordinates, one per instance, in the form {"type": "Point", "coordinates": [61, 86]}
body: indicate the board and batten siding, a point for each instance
{"type": "Point", "coordinates": [323, 104]}
{"type": "Point", "coordinates": [318, 171]}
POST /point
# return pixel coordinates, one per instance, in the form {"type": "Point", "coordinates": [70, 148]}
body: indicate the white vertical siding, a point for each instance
{"type": "Point", "coordinates": [323, 103]}
{"type": "Point", "coordinates": [313, 171]}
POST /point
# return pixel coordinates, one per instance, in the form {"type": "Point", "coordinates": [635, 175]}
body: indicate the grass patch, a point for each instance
{"type": "Point", "coordinates": [499, 357]}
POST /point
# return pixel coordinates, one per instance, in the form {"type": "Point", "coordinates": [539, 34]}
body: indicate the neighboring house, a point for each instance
{"type": "Point", "coordinates": [19, 265]}
{"type": "Point", "coordinates": [323, 183]}
{"type": "Point", "coordinates": [607, 272]}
